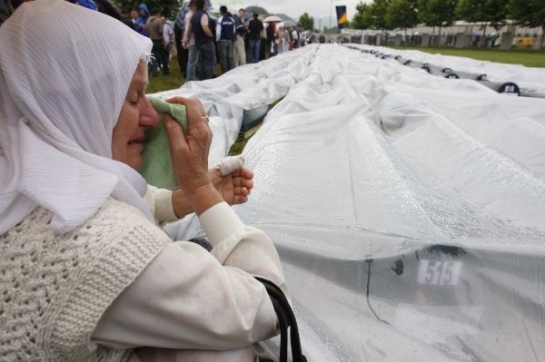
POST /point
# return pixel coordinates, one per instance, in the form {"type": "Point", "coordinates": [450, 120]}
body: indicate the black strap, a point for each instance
{"type": "Point", "coordinates": [286, 319]}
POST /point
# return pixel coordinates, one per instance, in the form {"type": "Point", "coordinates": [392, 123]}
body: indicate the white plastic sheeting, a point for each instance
{"type": "Point", "coordinates": [408, 210]}
{"type": "Point", "coordinates": [530, 80]}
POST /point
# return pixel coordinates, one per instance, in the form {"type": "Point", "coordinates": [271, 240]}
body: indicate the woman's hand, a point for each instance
{"type": "Point", "coordinates": [189, 154]}
{"type": "Point", "coordinates": [235, 186]}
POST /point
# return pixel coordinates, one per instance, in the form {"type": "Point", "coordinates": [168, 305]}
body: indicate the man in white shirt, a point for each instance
{"type": "Point", "coordinates": [294, 38]}
{"type": "Point", "coordinates": [239, 48]}
{"type": "Point", "coordinates": [167, 36]}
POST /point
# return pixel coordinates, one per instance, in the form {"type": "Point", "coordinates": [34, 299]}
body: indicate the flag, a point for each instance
{"type": "Point", "coordinates": [342, 18]}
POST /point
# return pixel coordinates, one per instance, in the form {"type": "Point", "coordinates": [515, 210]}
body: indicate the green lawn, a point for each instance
{"type": "Point", "coordinates": [166, 82]}
{"type": "Point", "coordinates": [529, 58]}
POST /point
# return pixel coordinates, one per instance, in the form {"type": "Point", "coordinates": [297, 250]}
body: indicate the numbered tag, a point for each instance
{"type": "Point", "coordinates": [510, 89]}
{"type": "Point", "coordinates": [439, 272]}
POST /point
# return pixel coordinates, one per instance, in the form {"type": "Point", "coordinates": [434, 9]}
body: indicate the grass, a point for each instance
{"type": "Point", "coordinates": [238, 146]}
{"type": "Point", "coordinates": [166, 82]}
{"type": "Point", "coordinates": [529, 58]}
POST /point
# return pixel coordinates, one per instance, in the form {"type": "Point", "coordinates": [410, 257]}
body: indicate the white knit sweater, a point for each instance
{"type": "Point", "coordinates": [54, 288]}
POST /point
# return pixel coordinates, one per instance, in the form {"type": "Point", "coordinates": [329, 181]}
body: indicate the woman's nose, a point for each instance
{"type": "Point", "coordinates": [148, 115]}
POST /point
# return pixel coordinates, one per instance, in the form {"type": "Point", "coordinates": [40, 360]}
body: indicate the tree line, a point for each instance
{"type": "Point", "coordinates": [403, 14]}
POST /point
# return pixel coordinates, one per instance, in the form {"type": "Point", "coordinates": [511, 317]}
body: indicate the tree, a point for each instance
{"type": "Point", "coordinates": [402, 14]}
{"type": "Point", "coordinates": [491, 12]}
{"type": "Point", "coordinates": [530, 13]}
{"type": "Point", "coordinates": [378, 14]}
{"type": "Point", "coordinates": [306, 21]}
{"type": "Point", "coordinates": [362, 18]}
{"type": "Point", "coordinates": [436, 12]}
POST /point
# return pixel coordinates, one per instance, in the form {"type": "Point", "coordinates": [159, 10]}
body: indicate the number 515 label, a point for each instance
{"type": "Point", "coordinates": [439, 272]}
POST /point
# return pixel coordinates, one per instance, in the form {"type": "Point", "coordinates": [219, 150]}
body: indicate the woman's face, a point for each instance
{"type": "Point", "coordinates": [136, 115]}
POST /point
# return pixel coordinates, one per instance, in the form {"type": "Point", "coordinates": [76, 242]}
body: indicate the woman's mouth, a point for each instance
{"type": "Point", "coordinates": [138, 140]}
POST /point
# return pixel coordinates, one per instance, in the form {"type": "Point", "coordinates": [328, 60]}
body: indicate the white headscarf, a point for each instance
{"type": "Point", "coordinates": [64, 74]}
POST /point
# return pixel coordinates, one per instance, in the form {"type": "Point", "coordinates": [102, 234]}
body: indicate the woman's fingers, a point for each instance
{"type": "Point", "coordinates": [243, 177]}
{"type": "Point", "coordinates": [175, 133]}
{"type": "Point", "coordinates": [189, 152]}
{"type": "Point", "coordinates": [199, 133]}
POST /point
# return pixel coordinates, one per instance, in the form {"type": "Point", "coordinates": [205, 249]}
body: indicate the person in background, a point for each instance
{"type": "Point", "coordinates": [188, 42]}
{"type": "Point", "coordinates": [88, 274]}
{"type": "Point", "coordinates": [225, 33]}
{"type": "Point", "coordinates": [168, 36]}
{"type": "Point", "coordinates": [239, 48]}
{"type": "Point", "coordinates": [294, 38]}
{"type": "Point", "coordinates": [155, 29]}
{"type": "Point", "coordinates": [281, 37]}
{"type": "Point", "coordinates": [134, 16]}
{"type": "Point", "coordinates": [263, 52]}
{"type": "Point", "coordinates": [126, 20]}
{"type": "Point", "coordinates": [6, 8]}
{"type": "Point", "coordinates": [255, 27]}
{"type": "Point", "coordinates": [204, 39]}
{"type": "Point", "coordinates": [179, 28]}
{"type": "Point", "coordinates": [141, 21]}
{"type": "Point", "coordinates": [271, 36]}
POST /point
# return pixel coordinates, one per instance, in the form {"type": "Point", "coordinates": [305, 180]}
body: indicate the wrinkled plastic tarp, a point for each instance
{"type": "Point", "coordinates": [408, 209]}
{"type": "Point", "coordinates": [530, 80]}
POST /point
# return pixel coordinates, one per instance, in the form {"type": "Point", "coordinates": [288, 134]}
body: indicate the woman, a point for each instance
{"type": "Point", "coordinates": [86, 275]}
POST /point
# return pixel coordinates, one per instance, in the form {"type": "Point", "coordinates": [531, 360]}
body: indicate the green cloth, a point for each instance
{"type": "Point", "coordinates": [157, 166]}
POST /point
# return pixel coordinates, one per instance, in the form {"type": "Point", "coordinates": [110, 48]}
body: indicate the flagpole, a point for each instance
{"type": "Point", "coordinates": [330, 13]}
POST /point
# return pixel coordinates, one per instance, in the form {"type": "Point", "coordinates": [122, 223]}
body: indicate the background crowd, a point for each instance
{"type": "Point", "coordinates": [201, 40]}
{"type": "Point", "coordinates": [198, 38]}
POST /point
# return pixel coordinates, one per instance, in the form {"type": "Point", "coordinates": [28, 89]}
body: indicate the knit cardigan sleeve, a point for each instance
{"type": "Point", "coordinates": [56, 287]}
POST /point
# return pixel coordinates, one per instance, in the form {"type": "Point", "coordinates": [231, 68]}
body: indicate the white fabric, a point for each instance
{"type": "Point", "coordinates": [373, 178]}
{"type": "Point", "coordinates": [167, 33]}
{"type": "Point", "coordinates": [230, 164]}
{"type": "Point", "coordinates": [185, 299]}
{"type": "Point", "coordinates": [63, 81]}
{"type": "Point", "coordinates": [245, 354]}
{"type": "Point", "coordinates": [530, 80]}
{"type": "Point", "coordinates": [56, 287]}
{"type": "Point", "coordinates": [160, 204]}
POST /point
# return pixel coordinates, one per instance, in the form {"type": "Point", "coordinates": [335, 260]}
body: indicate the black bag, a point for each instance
{"type": "Point", "coordinates": [286, 319]}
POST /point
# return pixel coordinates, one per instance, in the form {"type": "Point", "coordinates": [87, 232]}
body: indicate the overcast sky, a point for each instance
{"type": "Point", "coordinates": [294, 8]}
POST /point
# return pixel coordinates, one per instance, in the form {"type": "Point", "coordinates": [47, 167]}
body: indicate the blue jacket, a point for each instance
{"type": "Point", "coordinates": [142, 20]}
{"type": "Point", "coordinates": [225, 28]}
